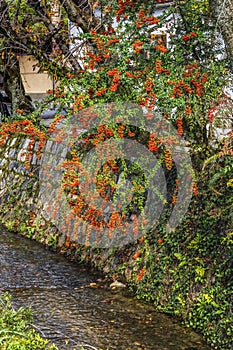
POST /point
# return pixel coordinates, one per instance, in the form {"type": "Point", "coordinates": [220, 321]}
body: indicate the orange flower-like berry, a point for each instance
{"type": "Point", "coordinates": [141, 274]}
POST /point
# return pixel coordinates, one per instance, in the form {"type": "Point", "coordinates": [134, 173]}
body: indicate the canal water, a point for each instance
{"type": "Point", "coordinates": [73, 307]}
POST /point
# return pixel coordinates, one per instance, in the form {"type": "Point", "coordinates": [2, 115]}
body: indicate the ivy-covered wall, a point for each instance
{"type": "Point", "coordinates": [22, 209]}
{"type": "Point", "coordinates": [187, 273]}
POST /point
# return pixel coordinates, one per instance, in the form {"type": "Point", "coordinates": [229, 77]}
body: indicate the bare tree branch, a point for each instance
{"type": "Point", "coordinates": [222, 11]}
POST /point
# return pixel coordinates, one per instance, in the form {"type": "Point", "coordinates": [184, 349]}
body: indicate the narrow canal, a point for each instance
{"type": "Point", "coordinates": [74, 308]}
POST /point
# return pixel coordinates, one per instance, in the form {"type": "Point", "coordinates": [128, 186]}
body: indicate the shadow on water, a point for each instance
{"type": "Point", "coordinates": [74, 308]}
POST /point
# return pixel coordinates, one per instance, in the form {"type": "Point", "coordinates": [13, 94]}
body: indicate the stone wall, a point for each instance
{"type": "Point", "coordinates": [19, 187]}
{"type": "Point", "coordinates": [24, 201]}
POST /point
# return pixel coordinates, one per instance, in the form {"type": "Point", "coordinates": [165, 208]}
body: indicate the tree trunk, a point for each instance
{"type": "Point", "coordinates": [13, 86]}
{"type": "Point", "coordinates": [222, 11]}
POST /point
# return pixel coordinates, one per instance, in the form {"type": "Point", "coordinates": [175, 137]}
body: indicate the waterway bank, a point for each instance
{"type": "Point", "coordinates": [186, 273]}
{"type": "Point", "coordinates": [75, 307]}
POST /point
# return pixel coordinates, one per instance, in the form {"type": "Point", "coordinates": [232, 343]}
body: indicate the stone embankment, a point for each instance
{"type": "Point", "coordinates": [25, 196]}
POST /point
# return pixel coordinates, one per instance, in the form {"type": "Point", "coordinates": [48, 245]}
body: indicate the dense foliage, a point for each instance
{"type": "Point", "coordinates": [171, 63]}
{"type": "Point", "coordinates": [189, 272]}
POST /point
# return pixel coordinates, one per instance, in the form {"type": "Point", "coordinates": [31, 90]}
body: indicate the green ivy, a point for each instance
{"type": "Point", "coordinates": [189, 274]}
